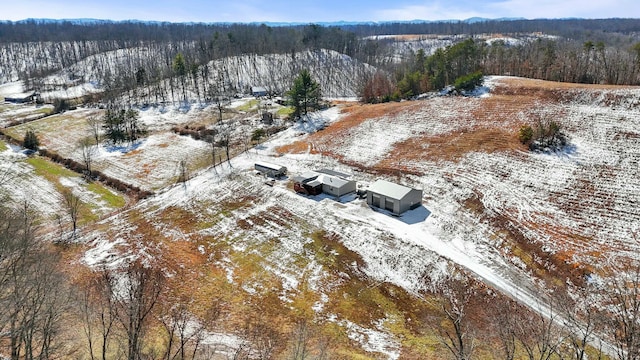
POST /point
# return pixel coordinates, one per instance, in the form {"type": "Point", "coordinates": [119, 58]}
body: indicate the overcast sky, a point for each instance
{"type": "Point", "coordinates": [307, 11]}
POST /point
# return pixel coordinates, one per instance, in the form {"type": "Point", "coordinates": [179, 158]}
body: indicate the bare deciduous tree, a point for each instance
{"type": "Point", "coordinates": [33, 296]}
{"type": "Point", "coordinates": [225, 140]}
{"type": "Point", "coordinates": [581, 320]}
{"type": "Point", "coordinates": [184, 330]}
{"type": "Point", "coordinates": [539, 333]}
{"type": "Point", "coordinates": [624, 301]}
{"type": "Point", "coordinates": [88, 151]}
{"type": "Point", "coordinates": [301, 337]}
{"type": "Point", "coordinates": [95, 127]}
{"type": "Point", "coordinates": [504, 321]}
{"type": "Point", "coordinates": [211, 139]}
{"type": "Point", "coordinates": [135, 295]}
{"type": "Point", "coordinates": [73, 205]}
{"type": "Point", "coordinates": [97, 309]}
{"type": "Point", "coordinates": [183, 171]}
{"type": "Point", "coordinates": [457, 333]}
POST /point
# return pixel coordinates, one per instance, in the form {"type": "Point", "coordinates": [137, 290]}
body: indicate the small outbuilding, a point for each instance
{"type": "Point", "coordinates": [258, 91]}
{"type": "Point", "coordinates": [271, 170]}
{"type": "Point", "coordinates": [393, 197]}
{"type": "Point", "coordinates": [307, 183]}
{"type": "Point", "coordinates": [267, 118]}
{"type": "Point", "coordinates": [336, 186]}
{"type": "Point", "coordinates": [21, 98]}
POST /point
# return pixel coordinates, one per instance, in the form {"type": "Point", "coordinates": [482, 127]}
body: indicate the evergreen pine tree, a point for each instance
{"type": "Point", "coordinates": [304, 94]}
{"type": "Point", "coordinates": [31, 141]}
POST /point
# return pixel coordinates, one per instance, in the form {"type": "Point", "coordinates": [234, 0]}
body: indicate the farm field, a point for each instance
{"type": "Point", "coordinates": [517, 221]}
{"type": "Point", "coordinates": [488, 172]}
{"type": "Point", "coordinates": [578, 204]}
{"type": "Point", "coordinates": [40, 185]}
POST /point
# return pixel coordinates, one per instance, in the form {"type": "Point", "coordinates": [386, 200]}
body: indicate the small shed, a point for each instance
{"type": "Point", "coordinates": [271, 170]}
{"type": "Point", "coordinates": [258, 91]}
{"type": "Point", "coordinates": [21, 98]}
{"type": "Point", "coordinates": [307, 183]}
{"type": "Point", "coordinates": [393, 197]}
{"type": "Point", "coordinates": [267, 118]}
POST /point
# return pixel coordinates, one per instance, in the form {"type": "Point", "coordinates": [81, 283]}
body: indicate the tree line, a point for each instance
{"type": "Point", "coordinates": [34, 30]}
{"type": "Point", "coordinates": [463, 64]}
{"type": "Point", "coordinates": [156, 62]}
{"type": "Point", "coordinates": [578, 29]}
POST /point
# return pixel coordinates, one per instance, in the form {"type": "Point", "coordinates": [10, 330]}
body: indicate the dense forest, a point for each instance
{"type": "Point", "coordinates": [585, 51]}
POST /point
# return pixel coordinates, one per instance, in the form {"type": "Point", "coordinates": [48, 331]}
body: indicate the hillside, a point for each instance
{"type": "Point", "coordinates": [505, 219]}
{"type": "Point", "coordinates": [141, 229]}
{"type": "Point", "coordinates": [579, 203]}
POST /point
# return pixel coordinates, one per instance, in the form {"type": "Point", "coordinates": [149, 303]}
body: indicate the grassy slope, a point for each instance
{"type": "Point", "coordinates": [229, 244]}
{"type": "Point", "coordinates": [101, 201]}
{"type": "Point", "coordinates": [514, 190]}
{"type": "Point", "coordinates": [230, 248]}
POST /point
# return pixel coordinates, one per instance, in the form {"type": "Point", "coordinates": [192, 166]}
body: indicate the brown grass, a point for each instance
{"type": "Point", "coordinates": [546, 265]}
{"type": "Point", "coordinates": [524, 85]}
{"type": "Point", "coordinates": [451, 146]}
{"type": "Point", "coordinates": [352, 295]}
{"type": "Point", "coordinates": [355, 114]}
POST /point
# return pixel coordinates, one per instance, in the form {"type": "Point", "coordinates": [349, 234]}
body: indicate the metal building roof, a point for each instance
{"type": "Point", "coordinates": [333, 181]}
{"type": "Point", "coordinates": [270, 166]}
{"type": "Point", "coordinates": [305, 177]}
{"type": "Point", "coordinates": [334, 173]}
{"type": "Point", "coordinates": [389, 189]}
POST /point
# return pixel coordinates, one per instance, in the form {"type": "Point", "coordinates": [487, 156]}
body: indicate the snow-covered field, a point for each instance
{"type": "Point", "coordinates": [154, 162]}
{"type": "Point", "coordinates": [419, 248]}
{"type": "Point", "coordinates": [21, 186]}
{"type": "Point", "coordinates": [579, 205]}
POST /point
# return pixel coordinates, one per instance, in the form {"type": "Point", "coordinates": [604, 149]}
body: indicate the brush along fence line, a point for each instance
{"type": "Point", "coordinates": [119, 185]}
{"type": "Point", "coordinates": [75, 166]}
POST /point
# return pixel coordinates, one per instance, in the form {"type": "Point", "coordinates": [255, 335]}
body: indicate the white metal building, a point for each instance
{"type": "Point", "coordinates": [393, 197]}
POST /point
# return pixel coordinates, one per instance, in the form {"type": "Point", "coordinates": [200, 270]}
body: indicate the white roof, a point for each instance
{"type": "Point", "coordinates": [269, 165]}
{"type": "Point", "coordinates": [19, 95]}
{"type": "Point", "coordinates": [332, 180]}
{"type": "Point", "coordinates": [309, 174]}
{"type": "Point", "coordinates": [306, 176]}
{"type": "Point", "coordinates": [389, 189]}
{"type": "Point", "coordinates": [334, 173]}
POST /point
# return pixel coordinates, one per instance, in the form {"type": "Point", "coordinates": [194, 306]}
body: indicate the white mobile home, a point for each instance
{"type": "Point", "coordinates": [336, 186]}
{"type": "Point", "coordinates": [258, 91]}
{"type": "Point", "coordinates": [314, 183]}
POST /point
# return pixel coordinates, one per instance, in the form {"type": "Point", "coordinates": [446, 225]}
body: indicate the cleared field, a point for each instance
{"type": "Point", "coordinates": [150, 164]}
{"type": "Point", "coordinates": [40, 184]}
{"type": "Point", "coordinates": [493, 213]}
{"type": "Point", "coordinates": [11, 114]}
{"type": "Point", "coordinates": [61, 132]}
{"type": "Point", "coordinates": [577, 205]}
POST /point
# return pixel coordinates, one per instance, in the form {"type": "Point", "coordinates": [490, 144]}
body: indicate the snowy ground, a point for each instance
{"type": "Point", "coordinates": [19, 184]}
{"type": "Point", "coordinates": [412, 251]}
{"type": "Point", "coordinates": [152, 163]}
{"type": "Point", "coordinates": [581, 202]}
